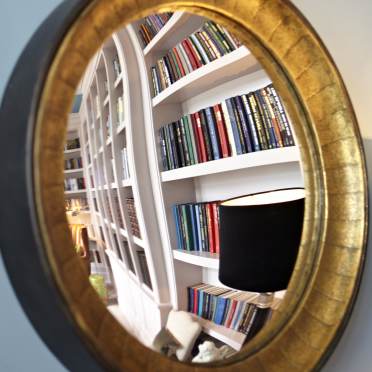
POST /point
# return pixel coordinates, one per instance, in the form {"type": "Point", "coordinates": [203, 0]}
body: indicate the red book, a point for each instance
{"type": "Point", "coordinates": [216, 223]}
{"type": "Point", "coordinates": [196, 304]}
{"type": "Point", "coordinates": [231, 315]}
{"type": "Point", "coordinates": [210, 222]}
{"type": "Point", "coordinates": [179, 63]}
{"type": "Point", "coordinates": [190, 56]}
{"type": "Point", "coordinates": [193, 51]}
{"type": "Point", "coordinates": [199, 131]}
{"type": "Point", "coordinates": [221, 127]}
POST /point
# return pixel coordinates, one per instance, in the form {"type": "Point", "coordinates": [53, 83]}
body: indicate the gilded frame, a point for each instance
{"type": "Point", "coordinates": [327, 273]}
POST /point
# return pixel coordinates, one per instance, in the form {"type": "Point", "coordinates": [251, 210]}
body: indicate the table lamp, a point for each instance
{"type": "Point", "coordinates": [259, 240]}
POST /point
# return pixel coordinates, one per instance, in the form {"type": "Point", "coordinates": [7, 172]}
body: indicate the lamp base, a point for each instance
{"type": "Point", "coordinates": [265, 300]}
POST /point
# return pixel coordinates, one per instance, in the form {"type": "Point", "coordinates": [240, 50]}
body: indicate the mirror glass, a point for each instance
{"type": "Point", "coordinates": [172, 118]}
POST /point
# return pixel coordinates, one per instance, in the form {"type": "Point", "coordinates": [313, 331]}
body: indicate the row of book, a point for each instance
{"type": "Point", "coordinates": [232, 309]}
{"type": "Point", "coordinates": [246, 123]}
{"type": "Point", "coordinates": [210, 42]}
{"type": "Point", "coordinates": [144, 268]}
{"type": "Point", "coordinates": [152, 25]}
{"type": "Point", "coordinates": [72, 144]}
{"type": "Point", "coordinates": [74, 163]}
{"type": "Point", "coordinates": [73, 184]}
{"type": "Point", "coordinates": [197, 226]}
{"type": "Point", "coordinates": [132, 214]}
{"type": "Point", "coordinates": [124, 158]}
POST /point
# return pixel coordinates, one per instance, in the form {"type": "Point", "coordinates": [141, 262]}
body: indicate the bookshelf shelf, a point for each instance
{"type": "Point", "coordinates": [238, 63]}
{"type": "Point", "coordinates": [180, 25]}
{"type": "Point", "coordinates": [73, 171]}
{"type": "Point", "coordinates": [72, 151]}
{"type": "Point", "coordinates": [126, 183]}
{"type": "Point", "coordinates": [120, 127]}
{"type": "Point", "coordinates": [118, 80]}
{"type": "Point", "coordinates": [203, 259]}
{"type": "Point", "coordinates": [228, 336]}
{"type": "Point", "coordinates": [250, 160]}
{"type": "Point", "coordinates": [75, 192]}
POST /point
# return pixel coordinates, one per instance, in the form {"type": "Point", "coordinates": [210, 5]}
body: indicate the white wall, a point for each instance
{"type": "Point", "coordinates": [346, 28]}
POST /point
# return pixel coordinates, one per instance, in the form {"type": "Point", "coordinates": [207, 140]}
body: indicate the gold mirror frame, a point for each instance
{"type": "Point", "coordinates": [327, 273]}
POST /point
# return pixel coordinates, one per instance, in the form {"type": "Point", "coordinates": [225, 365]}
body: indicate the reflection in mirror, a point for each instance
{"type": "Point", "coordinates": [172, 117]}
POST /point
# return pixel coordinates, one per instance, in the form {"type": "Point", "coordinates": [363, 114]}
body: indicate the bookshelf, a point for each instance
{"type": "Point", "coordinates": [119, 111]}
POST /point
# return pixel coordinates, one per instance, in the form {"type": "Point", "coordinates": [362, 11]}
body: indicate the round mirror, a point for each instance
{"type": "Point", "coordinates": [175, 117]}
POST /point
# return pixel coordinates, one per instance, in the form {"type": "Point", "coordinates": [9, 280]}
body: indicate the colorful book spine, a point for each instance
{"type": "Point", "coordinates": [205, 45]}
{"type": "Point", "coordinates": [229, 308]}
{"type": "Point", "coordinates": [197, 226]}
{"type": "Point", "coordinates": [249, 122]}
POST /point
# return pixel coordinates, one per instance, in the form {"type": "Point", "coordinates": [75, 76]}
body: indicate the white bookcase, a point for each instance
{"type": "Point", "coordinates": [145, 305]}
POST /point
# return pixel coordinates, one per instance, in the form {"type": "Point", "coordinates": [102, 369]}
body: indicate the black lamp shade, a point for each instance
{"type": "Point", "coordinates": [259, 242]}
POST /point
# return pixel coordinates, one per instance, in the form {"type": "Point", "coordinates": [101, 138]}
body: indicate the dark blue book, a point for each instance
{"type": "Point", "coordinates": [234, 127]}
{"type": "Point", "coordinates": [194, 227]}
{"type": "Point", "coordinates": [173, 141]}
{"type": "Point", "coordinates": [220, 308]}
{"type": "Point", "coordinates": [190, 295]}
{"type": "Point", "coordinates": [178, 229]}
{"type": "Point", "coordinates": [243, 123]}
{"type": "Point", "coordinates": [163, 148]}
{"type": "Point", "coordinates": [252, 126]}
{"type": "Point", "coordinates": [181, 150]}
{"type": "Point", "coordinates": [212, 128]}
{"type": "Point", "coordinates": [203, 246]}
{"type": "Point", "coordinates": [198, 226]}
{"type": "Point", "coordinates": [206, 134]}
{"type": "Point", "coordinates": [266, 119]}
{"type": "Point", "coordinates": [205, 227]}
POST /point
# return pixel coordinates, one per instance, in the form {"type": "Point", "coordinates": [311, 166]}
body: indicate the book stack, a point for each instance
{"type": "Point", "coordinates": [74, 163]}
{"type": "Point", "coordinates": [72, 184]}
{"type": "Point", "coordinates": [152, 25]}
{"type": "Point", "coordinates": [124, 157]}
{"type": "Point", "coordinates": [116, 66]}
{"type": "Point", "coordinates": [133, 217]}
{"type": "Point", "coordinates": [197, 226]}
{"type": "Point", "coordinates": [120, 109]}
{"type": "Point", "coordinates": [144, 268]}
{"type": "Point", "coordinates": [250, 122]}
{"type": "Point", "coordinates": [118, 212]}
{"type": "Point", "coordinates": [72, 144]}
{"type": "Point", "coordinates": [232, 309]}
{"type": "Point", "coordinates": [210, 42]}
